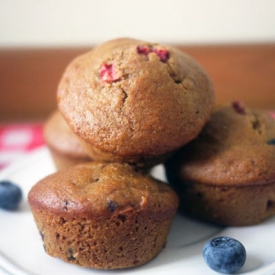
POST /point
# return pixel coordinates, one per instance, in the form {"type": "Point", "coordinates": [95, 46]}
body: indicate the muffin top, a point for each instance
{"type": "Point", "coordinates": [236, 147]}
{"type": "Point", "coordinates": [135, 98]}
{"type": "Point", "coordinates": [59, 137]}
{"type": "Point", "coordinates": [99, 190]}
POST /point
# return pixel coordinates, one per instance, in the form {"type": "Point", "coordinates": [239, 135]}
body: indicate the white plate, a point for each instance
{"type": "Point", "coordinates": [22, 253]}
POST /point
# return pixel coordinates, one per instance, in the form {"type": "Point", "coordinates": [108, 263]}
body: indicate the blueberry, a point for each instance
{"type": "Point", "coordinates": [224, 255]}
{"type": "Point", "coordinates": [10, 195]}
{"type": "Point", "coordinates": [271, 141]}
{"type": "Point", "coordinates": [112, 205]}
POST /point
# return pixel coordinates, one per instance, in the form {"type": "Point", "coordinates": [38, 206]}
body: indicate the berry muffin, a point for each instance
{"type": "Point", "coordinates": [134, 101]}
{"type": "Point", "coordinates": [103, 215]}
{"type": "Point", "coordinates": [64, 145]}
{"type": "Point", "coordinates": [227, 174]}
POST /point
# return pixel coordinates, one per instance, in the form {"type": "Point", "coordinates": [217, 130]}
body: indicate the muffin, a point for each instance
{"type": "Point", "coordinates": [134, 101]}
{"type": "Point", "coordinates": [103, 215]}
{"type": "Point", "coordinates": [64, 145]}
{"type": "Point", "coordinates": [227, 175]}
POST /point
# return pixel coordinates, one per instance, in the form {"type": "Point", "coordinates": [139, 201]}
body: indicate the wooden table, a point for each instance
{"type": "Point", "coordinates": [29, 77]}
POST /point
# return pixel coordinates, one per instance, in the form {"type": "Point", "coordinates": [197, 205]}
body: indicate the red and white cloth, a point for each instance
{"type": "Point", "coordinates": [272, 114]}
{"type": "Point", "coordinates": [18, 139]}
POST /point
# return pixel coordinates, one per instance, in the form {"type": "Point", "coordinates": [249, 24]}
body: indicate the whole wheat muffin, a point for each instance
{"type": "Point", "coordinates": [227, 174]}
{"type": "Point", "coordinates": [134, 101]}
{"type": "Point", "coordinates": [103, 216]}
{"type": "Point", "coordinates": [65, 147]}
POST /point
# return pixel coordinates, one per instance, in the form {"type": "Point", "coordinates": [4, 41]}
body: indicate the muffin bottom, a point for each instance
{"type": "Point", "coordinates": [121, 241]}
{"type": "Point", "coordinates": [229, 205]}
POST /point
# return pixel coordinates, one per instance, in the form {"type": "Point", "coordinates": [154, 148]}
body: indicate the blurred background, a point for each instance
{"type": "Point", "coordinates": [84, 22]}
{"type": "Point", "coordinates": [232, 39]}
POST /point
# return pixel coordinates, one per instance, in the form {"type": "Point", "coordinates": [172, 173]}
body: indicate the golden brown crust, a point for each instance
{"type": "Point", "coordinates": [151, 108]}
{"type": "Point", "coordinates": [87, 190]}
{"type": "Point", "coordinates": [232, 149]}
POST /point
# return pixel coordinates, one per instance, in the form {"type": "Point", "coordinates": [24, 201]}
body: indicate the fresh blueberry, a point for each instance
{"type": "Point", "coordinates": [271, 141]}
{"type": "Point", "coordinates": [10, 195]}
{"type": "Point", "coordinates": [224, 255]}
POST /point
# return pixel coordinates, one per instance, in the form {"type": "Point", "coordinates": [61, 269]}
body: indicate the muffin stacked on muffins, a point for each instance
{"type": "Point", "coordinates": [226, 175]}
{"type": "Point", "coordinates": [134, 101]}
{"type": "Point", "coordinates": [130, 104]}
